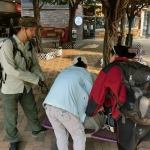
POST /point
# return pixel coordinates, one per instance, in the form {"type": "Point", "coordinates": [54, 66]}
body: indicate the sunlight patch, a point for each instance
{"type": "Point", "coordinates": [91, 46]}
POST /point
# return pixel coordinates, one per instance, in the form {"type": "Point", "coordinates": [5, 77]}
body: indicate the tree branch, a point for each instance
{"type": "Point", "coordinates": [105, 3]}
{"type": "Point", "coordinates": [41, 5]}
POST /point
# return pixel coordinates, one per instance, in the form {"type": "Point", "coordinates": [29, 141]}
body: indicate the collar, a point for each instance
{"type": "Point", "coordinates": [18, 41]}
{"type": "Point", "coordinates": [122, 58]}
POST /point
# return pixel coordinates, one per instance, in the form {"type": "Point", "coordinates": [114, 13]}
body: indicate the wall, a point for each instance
{"type": "Point", "coordinates": [7, 7]}
{"type": "Point", "coordinates": [52, 20]}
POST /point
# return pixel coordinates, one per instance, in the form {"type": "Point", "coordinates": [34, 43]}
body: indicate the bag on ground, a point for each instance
{"type": "Point", "coordinates": [95, 123]}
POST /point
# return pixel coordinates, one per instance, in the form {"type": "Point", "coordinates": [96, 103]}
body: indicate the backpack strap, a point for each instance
{"type": "Point", "coordinates": [120, 108]}
{"type": "Point", "coordinates": [120, 66]}
{"type": "Point", "coordinates": [127, 84]}
{"type": "Point", "coordinates": [30, 46]}
{"type": "Point", "coordinates": [15, 47]}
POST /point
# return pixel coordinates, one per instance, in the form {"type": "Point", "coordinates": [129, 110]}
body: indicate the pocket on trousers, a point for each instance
{"type": "Point", "coordinates": [78, 129]}
{"type": "Point", "coordinates": [63, 115]}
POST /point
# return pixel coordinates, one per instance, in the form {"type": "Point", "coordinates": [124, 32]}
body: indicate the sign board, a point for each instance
{"type": "Point", "coordinates": [18, 7]}
{"type": "Point", "coordinates": [78, 21]}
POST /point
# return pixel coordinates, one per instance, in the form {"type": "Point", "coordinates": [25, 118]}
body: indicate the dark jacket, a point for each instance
{"type": "Point", "coordinates": [108, 82]}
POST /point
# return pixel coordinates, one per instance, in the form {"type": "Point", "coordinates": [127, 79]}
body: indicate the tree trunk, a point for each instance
{"type": "Point", "coordinates": [38, 31]}
{"type": "Point", "coordinates": [72, 12]}
{"type": "Point", "coordinates": [113, 11]}
{"type": "Point", "coordinates": [111, 28]}
{"type": "Point", "coordinates": [123, 28]}
{"type": "Point", "coordinates": [130, 20]}
{"type": "Point", "coordinates": [129, 35]}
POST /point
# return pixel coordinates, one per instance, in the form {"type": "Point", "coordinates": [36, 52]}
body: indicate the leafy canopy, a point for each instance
{"type": "Point", "coordinates": [53, 2]}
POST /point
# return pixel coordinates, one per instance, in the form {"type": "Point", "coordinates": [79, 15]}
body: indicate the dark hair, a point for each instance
{"type": "Point", "coordinates": [80, 63]}
{"type": "Point", "coordinates": [122, 51]}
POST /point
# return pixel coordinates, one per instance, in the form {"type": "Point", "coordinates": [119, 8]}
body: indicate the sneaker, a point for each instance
{"type": "Point", "coordinates": [35, 133]}
{"type": "Point", "coordinates": [14, 146]}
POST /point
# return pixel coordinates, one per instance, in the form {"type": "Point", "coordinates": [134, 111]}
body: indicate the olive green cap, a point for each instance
{"type": "Point", "coordinates": [26, 21]}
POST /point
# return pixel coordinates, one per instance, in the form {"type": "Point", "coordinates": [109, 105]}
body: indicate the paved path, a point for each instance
{"type": "Point", "coordinates": [93, 51]}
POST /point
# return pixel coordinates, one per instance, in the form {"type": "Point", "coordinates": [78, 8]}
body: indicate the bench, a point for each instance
{"type": "Point", "coordinates": [68, 44]}
{"type": "Point", "coordinates": [56, 44]}
{"type": "Point", "coordinates": [102, 134]}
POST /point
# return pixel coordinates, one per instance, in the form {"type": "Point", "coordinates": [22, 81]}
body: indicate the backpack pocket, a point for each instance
{"type": "Point", "coordinates": [144, 107]}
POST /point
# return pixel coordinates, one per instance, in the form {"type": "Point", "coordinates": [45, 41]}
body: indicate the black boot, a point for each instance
{"type": "Point", "coordinates": [14, 146]}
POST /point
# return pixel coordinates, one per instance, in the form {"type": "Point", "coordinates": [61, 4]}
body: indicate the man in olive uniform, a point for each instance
{"type": "Point", "coordinates": [19, 73]}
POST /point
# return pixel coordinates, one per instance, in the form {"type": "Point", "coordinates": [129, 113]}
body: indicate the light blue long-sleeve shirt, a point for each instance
{"type": "Point", "coordinates": [70, 91]}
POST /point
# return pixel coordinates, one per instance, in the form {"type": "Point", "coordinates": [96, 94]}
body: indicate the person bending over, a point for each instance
{"type": "Point", "coordinates": [66, 102]}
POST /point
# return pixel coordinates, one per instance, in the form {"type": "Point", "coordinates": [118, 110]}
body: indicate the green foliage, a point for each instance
{"type": "Point", "coordinates": [135, 6]}
{"type": "Point", "coordinates": [57, 2]}
{"type": "Point", "coordinates": [54, 2]}
{"type": "Point", "coordinates": [90, 2]}
{"type": "Point", "coordinates": [64, 2]}
{"type": "Point", "coordinates": [139, 2]}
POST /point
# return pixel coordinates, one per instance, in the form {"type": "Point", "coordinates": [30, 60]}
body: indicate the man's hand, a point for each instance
{"type": "Point", "coordinates": [101, 109]}
{"type": "Point", "coordinates": [41, 83]}
{"type": "Point", "coordinates": [43, 86]}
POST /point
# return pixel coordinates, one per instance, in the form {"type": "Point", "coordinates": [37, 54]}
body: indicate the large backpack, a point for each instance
{"type": "Point", "coordinates": [136, 77]}
{"type": "Point", "coordinates": [15, 50]}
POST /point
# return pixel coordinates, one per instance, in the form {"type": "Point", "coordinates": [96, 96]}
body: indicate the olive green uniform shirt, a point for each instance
{"type": "Point", "coordinates": [17, 69]}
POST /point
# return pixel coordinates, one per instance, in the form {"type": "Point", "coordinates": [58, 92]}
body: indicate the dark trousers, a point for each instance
{"type": "Point", "coordinates": [10, 112]}
{"type": "Point", "coordinates": [129, 134]}
{"type": "Point", "coordinates": [61, 43]}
